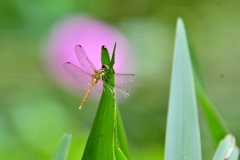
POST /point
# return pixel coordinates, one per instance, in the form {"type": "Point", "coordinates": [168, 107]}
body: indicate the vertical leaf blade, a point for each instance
{"type": "Point", "coordinates": [215, 123]}
{"type": "Point", "coordinates": [62, 149]}
{"type": "Point", "coordinates": [100, 141]}
{"type": "Point", "coordinates": [105, 141]}
{"type": "Point", "coordinates": [183, 135]}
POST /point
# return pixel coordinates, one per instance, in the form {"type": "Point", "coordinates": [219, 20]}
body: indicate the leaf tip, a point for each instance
{"type": "Point", "coordinates": [104, 47]}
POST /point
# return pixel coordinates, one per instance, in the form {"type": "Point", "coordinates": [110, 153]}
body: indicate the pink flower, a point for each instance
{"type": "Point", "coordinates": [91, 34]}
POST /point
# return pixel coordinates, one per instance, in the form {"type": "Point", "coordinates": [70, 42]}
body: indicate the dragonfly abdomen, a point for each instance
{"type": "Point", "coordinates": [86, 95]}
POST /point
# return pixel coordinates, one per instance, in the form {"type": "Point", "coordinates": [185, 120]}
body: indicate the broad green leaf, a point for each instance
{"type": "Point", "coordinates": [214, 121]}
{"type": "Point", "coordinates": [227, 149]}
{"type": "Point", "coordinates": [183, 135]}
{"type": "Point", "coordinates": [107, 139]}
{"type": "Point", "coordinates": [62, 149]}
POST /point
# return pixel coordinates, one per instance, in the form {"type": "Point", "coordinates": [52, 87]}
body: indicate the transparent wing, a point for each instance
{"type": "Point", "coordinates": [99, 86]}
{"type": "Point", "coordinates": [83, 59]}
{"type": "Point", "coordinates": [123, 92]}
{"type": "Point", "coordinates": [117, 90]}
{"type": "Point", "coordinates": [124, 78]}
{"type": "Point", "coordinates": [77, 73]}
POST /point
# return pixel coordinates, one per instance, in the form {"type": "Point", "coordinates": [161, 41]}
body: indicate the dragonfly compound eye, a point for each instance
{"type": "Point", "coordinates": [105, 66]}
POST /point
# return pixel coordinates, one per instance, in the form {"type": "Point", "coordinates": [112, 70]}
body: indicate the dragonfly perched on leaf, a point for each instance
{"type": "Point", "coordinates": [89, 75]}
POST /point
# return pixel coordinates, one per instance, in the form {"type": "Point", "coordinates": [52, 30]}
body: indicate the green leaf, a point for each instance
{"type": "Point", "coordinates": [105, 56]}
{"type": "Point", "coordinates": [216, 125]}
{"type": "Point", "coordinates": [183, 135]}
{"type": "Point", "coordinates": [107, 138]}
{"type": "Point", "coordinates": [62, 149]}
{"type": "Point", "coordinates": [214, 121]}
{"type": "Point", "coordinates": [121, 150]}
{"type": "Point", "coordinates": [113, 56]}
{"type": "Point", "coordinates": [227, 149]}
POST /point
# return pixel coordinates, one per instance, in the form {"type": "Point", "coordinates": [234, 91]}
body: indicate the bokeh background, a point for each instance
{"type": "Point", "coordinates": [39, 101]}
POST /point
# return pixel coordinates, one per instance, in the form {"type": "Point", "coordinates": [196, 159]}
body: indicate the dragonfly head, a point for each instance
{"type": "Point", "coordinates": [105, 67]}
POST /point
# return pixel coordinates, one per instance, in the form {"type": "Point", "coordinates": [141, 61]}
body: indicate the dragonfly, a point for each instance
{"type": "Point", "coordinates": [88, 74]}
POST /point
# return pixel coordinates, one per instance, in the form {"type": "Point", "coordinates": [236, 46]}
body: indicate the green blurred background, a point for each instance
{"type": "Point", "coordinates": [35, 112]}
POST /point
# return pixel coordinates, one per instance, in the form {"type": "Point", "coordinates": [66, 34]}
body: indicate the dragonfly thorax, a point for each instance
{"type": "Point", "coordinates": [100, 73]}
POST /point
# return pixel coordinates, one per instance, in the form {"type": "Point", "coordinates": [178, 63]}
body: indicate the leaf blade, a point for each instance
{"type": "Point", "coordinates": [62, 149]}
{"type": "Point", "coordinates": [103, 139]}
{"type": "Point", "coordinates": [227, 149]}
{"type": "Point", "coordinates": [183, 135]}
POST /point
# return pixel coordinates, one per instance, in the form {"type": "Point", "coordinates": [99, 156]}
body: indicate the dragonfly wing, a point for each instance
{"type": "Point", "coordinates": [117, 90]}
{"type": "Point", "coordinates": [83, 59]}
{"type": "Point", "coordinates": [120, 90]}
{"type": "Point", "coordinates": [124, 78]}
{"type": "Point", "coordinates": [98, 86]}
{"type": "Point", "coordinates": [77, 73]}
